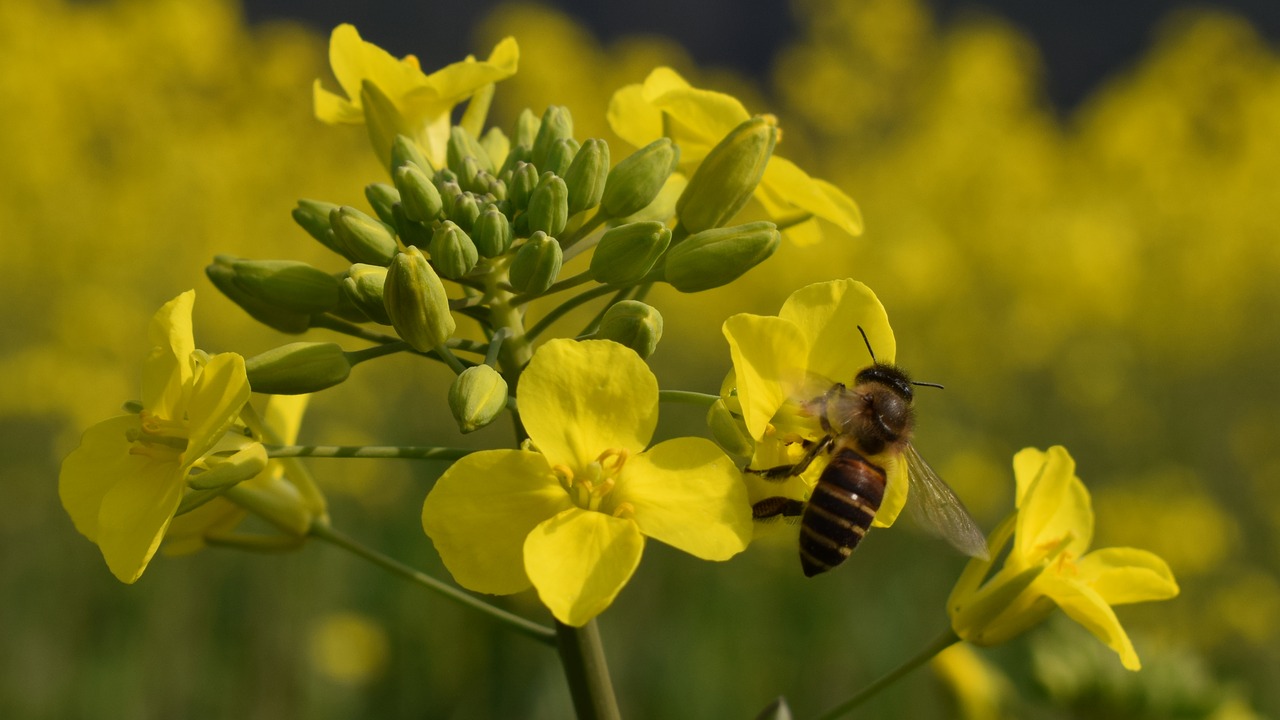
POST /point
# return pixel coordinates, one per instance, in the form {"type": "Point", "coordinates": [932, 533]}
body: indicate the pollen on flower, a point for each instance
{"type": "Point", "coordinates": [624, 510]}
{"type": "Point", "coordinates": [157, 438]}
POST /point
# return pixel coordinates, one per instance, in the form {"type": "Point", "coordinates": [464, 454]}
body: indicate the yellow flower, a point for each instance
{"type": "Point", "coordinates": [666, 104]}
{"type": "Point", "coordinates": [124, 482]}
{"type": "Point", "coordinates": [781, 362]}
{"type": "Point", "coordinates": [1048, 567]}
{"type": "Point", "coordinates": [571, 518]}
{"type": "Point", "coordinates": [424, 102]}
{"type": "Point", "coordinates": [274, 494]}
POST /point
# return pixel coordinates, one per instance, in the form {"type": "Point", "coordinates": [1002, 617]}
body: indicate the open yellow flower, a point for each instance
{"type": "Point", "coordinates": [781, 362]}
{"type": "Point", "coordinates": [1047, 565]}
{"type": "Point", "coordinates": [666, 104]}
{"type": "Point", "coordinates": [570, 519]}
{"type": "Point", "coordinates": [423, 101]}
{"type": "Point", "coordinates": [124, 482]}
{"type": "Point", "coordinates": [282, 494]}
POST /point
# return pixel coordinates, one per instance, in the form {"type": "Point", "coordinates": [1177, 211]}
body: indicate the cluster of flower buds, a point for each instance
{"type": "Point", "coordinates": [500, 218]}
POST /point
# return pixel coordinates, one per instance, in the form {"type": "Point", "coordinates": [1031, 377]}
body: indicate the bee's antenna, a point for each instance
{"type": "Point", "coordinates": [868, 342]}
{"type": "Point", "coordinates": [927, 384]}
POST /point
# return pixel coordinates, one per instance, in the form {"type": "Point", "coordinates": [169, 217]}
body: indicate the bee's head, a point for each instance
{"type": "Point", "coordinates": [889, 376]}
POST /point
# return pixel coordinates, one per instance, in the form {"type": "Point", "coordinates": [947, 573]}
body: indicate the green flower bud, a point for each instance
{"type": "Point", "coordinates": [463, 145]}
{"type": "Point", "coordinates": [465, 210]}
{"type": "Point", "coordinates": [524, 179]}
{"type": "Point", "coordinates": [663, 207]}
{"type": "Point", "coordinates": [223, 276]}
{"type": "Point", "coordinates": [634, 324]}
{"type": "Point", "coordinates": [415, 301]}
{"type": "Point", "coordinates": [452, 251]}
{"type": "Point", "coordinates": [381, 197]}
{"type": "Point", "coordinates": [636, 181]}
{"type": "Point", "coordinates": [527, 126]}
{"type": "Point", "coordinates": [450, 191]}
{"type": "Point", "coordinates": [476, 397]}
{"type": "Point", "coordinates": [362, 238]}
{"type": "Point", "coordinates": [363, 287]}
{"type": "Point", "coordinates": [289, 284]}
{"type": "Point", "coordinates": [719, 256]}
{"type": "Point", "coordinates": [298, 368]}
{"type": "Point", "coordinates": [404, 151]}
{"type": "Point", "coordinates": [411, 232]}
{"type": "Point", "coordinates": [586, 175]}
{"type": "Point", "coordinates": [382, 119]}
{"type": "Point", "coordinates": [537, 264]}
{"type": "Point", "coordinates": [549, 205]}
{"type": "Point", "coordinates": [627, 252]}
{"type": "Point", "coordinates": [723, 183]}
{"type": "Point", "coordinates": [313, 216]}
{"type": "Point", "coordinates": [556, 124]}
{"type": "Point", "coordinates": [730, 432]}
{"type": "Point", "coordinates": [491, 233]}
{"type": "Point", "coordinates": [418, 195]}
{"type": "Point", "coordinates": [560, 155]}
{"type": "Point", "coordinates": [487, 184]}
{"type": "Point", "coordinates": [468, 177]}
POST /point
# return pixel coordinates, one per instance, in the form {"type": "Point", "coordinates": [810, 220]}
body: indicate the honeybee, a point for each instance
{"type": "Point", "coordinates": [873, 418]}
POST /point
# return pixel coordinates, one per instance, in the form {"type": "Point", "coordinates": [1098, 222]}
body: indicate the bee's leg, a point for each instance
{"type": "Point", "coordinates": [775, 506]}
{"type": "Point", "coordinates": [782, 472]}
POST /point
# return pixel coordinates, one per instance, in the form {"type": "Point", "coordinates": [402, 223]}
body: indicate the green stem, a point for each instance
{"type": "Point", "coordinates": [367, 451]}
{"type": "Point", "coordinates": [337, 324]}
{"type": "Point", "coordinates": [583, 230]}
{"type": "Point", "coordinates": [355, 357]}
{"type": "Point", "coordinates": [515, 622]}
{"type": "Point", "coordinates": [565, 284]}
{"type": "Point", "coordinates": [940, 643]}
{"type": "Point", "coordinates": [687, 396]}
{"type": "Point", "coordinates": [582, 655]}
{"type": "Point", "coordinates": [564, 307]}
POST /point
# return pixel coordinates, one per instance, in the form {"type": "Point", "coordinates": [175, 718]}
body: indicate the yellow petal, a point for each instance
{"type": "Point", "coordinates": [220, 391]}
{"type": "Point", "coordinates": [579, 399]}
{"type": "Point", "coordinates": [688, 494]}
{"type": "Point", "coordinates": [1127, 575]}
{"type": "Point", "coordinates": [187, 532]}
{"type": "Point", "coordinates": [333, 108]}
{"type": "Point", "coordinates": [354, 61]}
{"type": "Point", "coordinates": [480, 511]}
{"type": "Point", "coordinates": [1084, 605]}
{"type": "Point", "coordinates": [282, 418]}
{"type": "Point", "coordinates": [769, 361]}
{"type": "Point", "coordinates": [828, 315]}
{"type": "Point", "coordinates": [134, 515]}
{"type": "Point", "coordinates": [824, 200]}
{"type": "Point", "coordinates": [1052, 504]}
{"type": "Point", "coordinates": [94, 467]}
{"type": "Point", "coordinates": [167, 372]}
{"type": "Point", "coordinates": [895, 492]}
{"type": "Point", "coordinates": [579, 560]}
{"type": "Point", "coordinates": [458, 81]}
{"type": "Point", "coordinates": [632, 117]}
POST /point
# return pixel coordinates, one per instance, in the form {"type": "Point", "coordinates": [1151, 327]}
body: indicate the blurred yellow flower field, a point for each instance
{"type": "Point", "coordinates": [1103, 278]}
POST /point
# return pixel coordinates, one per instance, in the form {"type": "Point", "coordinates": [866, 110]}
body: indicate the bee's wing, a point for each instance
{"type": "Point", "coordinates": [936, 509]}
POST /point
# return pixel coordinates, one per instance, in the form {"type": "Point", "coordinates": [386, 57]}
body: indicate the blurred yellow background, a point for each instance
{"type": "Point", "coordinates": [1106, 280]}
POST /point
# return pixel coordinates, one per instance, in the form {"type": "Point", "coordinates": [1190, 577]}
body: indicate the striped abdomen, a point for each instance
{"type": "Point", "coordinates": [840, 511]}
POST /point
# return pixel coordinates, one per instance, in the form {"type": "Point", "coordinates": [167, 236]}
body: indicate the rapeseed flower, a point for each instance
{"type": "Point", "coordinates": [124, 482]}
{"type": "Point", "coordinates": [570, 516]}
{"type": "Point", "coordinates": [1049, 566]}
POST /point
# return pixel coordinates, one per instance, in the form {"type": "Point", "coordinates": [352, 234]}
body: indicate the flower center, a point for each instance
{"type": "Point", "coordinates": [1058, 557]}
{"type": "Point", "coordinates": [589, 487]}
{"type": "Point", "coordinates": [158, 438]}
